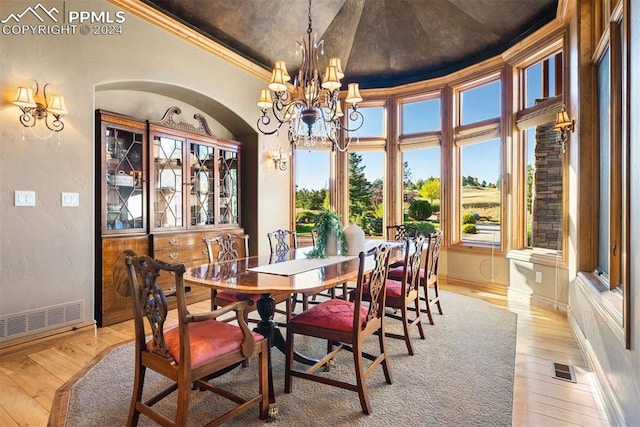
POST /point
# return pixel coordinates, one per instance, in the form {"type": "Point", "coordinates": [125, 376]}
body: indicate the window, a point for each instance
{"type": "Point", "coordinates": [366, 190]}
{"type": "Point", "coordinates": [480, 193]}
{"type": "Point", "coordinates": [419, 142]}
{"type": "Point", "coordinates": [539, 210]}
{"type": "Point", "coordinates": [543, 189]}
{"type": "Point", "coordinates": [374, 122]}
{"type": "Point", "coordinates": [312, 176]}
{"type": "Point", "coordinates": [611, 240]}
{"type": "Point", "coordinates": [543, 79]}
{"type": "Point", "coordinates": [608, 263]}
{"type": "Point", "coordinates": [478, 163]}
{"type": "Point", "coordinates": [604, 137]}
{"type": "Point", "coordinates": [480, 103]}
{"type": "Point", "coordinates": [421, 116]}
{"type": "Point", "coordinates": [421, 182]}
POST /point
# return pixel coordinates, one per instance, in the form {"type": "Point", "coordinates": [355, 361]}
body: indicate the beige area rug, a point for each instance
{"type": "Point", "coordinates": [461, 375]}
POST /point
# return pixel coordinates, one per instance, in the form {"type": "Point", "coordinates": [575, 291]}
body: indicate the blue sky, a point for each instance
{"type": "Point", "coordinates": [480, 160]}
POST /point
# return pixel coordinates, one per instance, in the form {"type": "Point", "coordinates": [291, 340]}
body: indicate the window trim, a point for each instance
{"type": "Point", "coordinates": [613, 38]}
{"type": "Point", "coordinates": [469, 133]}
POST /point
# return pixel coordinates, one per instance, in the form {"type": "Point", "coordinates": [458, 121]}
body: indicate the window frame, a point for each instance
{"type": "Point", "coordinates": [613, 292]}
{"type": "Point", "coordinates": [469, 133]}
{"type": "Point", "coordinates": [611, 42]}
{"type": "Point", "coordinates": [526, 118]}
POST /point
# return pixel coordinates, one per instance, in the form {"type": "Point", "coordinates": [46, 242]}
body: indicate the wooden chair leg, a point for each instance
{"type": "Point", "coordinates": [418, 319]}
{"type": "Point", "coordinates": [288, 366]}
{"type": "Point", "coordinates": [427, 303]}
{"type": "Point", "coordinates": [437, 296]}
{"type": "Point", "coordinates": [382, 340]}
{"type": "Point", "coordinates": [361, 383]}
{"type": "Point", "coordinates": [182, 407]}
{"type": "Point", "coordinates": [213, 299]}
{"type": "Point", "coordinates": [405, 327]}
{"type": "Point", "coordinates": [138, 381]}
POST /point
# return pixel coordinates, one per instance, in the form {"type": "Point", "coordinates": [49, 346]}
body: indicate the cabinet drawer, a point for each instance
{"type": "Point", "coordinates": [173, 241]}
{"type": "Point", "coordinates": [191, 255]}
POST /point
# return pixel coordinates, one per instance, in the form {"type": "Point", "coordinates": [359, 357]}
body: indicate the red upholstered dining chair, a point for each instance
{"type": "Point", "coordinates": [227, 247]}
{"type": "Point", "coordinates": [199, 347]}
{"type": "Point", "coordinates": [429, 282]}
{"type": "Point", "coordinates": [282, 240]}
{"type": "Point", "coordinates": [231, 247]}
{"type": "Point", "coordinates": [280, 243]}
{"type": "Point", "coordinates": [428, 275]}
{"type": "Point", "coordinates": [405, 293]}
{"type": "Point", "coordinates": [398, 232]}
{"type": "Point", "coordinates": [346, 325]}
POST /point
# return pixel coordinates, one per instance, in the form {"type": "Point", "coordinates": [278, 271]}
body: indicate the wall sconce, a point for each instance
{"type": "Point", "coordinates": [564, 125]}
{"type": "Point", "coordinates": [51, 109]}
{"type": "Point", "coordinates": [280, 159]}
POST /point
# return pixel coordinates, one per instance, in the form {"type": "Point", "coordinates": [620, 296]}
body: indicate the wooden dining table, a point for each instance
{"type": "Point", "coordinates": [288, 272]}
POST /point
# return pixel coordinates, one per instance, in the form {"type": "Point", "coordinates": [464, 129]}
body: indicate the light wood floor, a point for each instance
{"type": "Point", "coordinates": [29, 377]}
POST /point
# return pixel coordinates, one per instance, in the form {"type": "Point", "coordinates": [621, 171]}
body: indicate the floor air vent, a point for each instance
{"type": "Point", "coordinates": [564, 372]}
{"type": "Point", "coordinates": [43, 319]}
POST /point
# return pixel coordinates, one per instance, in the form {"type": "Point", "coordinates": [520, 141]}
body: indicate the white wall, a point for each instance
{"type": "Point", "coordinates": [46, 251]}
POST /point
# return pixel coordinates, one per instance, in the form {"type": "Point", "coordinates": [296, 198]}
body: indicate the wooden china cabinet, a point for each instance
{"type": "Point", "coordinates": [163, 186]}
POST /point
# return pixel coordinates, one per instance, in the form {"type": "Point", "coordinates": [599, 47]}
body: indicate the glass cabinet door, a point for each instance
{"type": "Point", "coordinates": [124, 190]}
{"type": "Point", "coordinates": [167, 182]}
{"type": "Point", "coordinates": [228, 173]}
{"type": "Point", "coordinates": [202, 191]}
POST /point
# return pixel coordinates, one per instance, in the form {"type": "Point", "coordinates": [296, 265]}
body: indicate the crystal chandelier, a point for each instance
{"type": "Point", "coordinates": [311, 108]}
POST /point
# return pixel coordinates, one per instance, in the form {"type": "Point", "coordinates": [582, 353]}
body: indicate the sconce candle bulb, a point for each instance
{"type": "Point", "coordinates": [280, 159]}
{"type": "Point", "coordinates": [564, 124]}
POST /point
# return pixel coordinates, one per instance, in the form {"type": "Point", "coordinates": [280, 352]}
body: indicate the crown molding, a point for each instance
{"type": "Point", "coordinates": [160, 20]}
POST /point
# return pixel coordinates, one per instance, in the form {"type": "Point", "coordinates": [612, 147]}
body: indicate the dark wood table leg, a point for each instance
{"type": "Point", "coordinates": [268, 328]}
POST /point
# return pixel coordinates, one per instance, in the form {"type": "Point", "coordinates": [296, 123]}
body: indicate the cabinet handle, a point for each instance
{"type": "Point", "coordinates": [173, 242]}
{"type": "Point", "coordinates": [173, 255]}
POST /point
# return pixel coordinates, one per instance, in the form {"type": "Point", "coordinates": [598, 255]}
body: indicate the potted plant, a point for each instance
{"type": "Point", "coordinates": [330, 232]}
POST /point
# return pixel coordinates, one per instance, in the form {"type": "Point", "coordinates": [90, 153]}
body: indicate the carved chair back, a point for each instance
{"type": "Point", "coordinates": [282, 240]}
{"type": "Point", "coordinates": [400, 231]}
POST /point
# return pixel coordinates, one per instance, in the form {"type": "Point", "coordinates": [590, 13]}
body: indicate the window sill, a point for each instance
{"type": "Point", "coordinates": [547, 257]}
{"type": "Point", "coordinates": [479, 246]}
{"type": "Point", "coordinates": [608, 304]}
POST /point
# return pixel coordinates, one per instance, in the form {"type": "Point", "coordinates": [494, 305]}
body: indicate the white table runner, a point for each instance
{"type": "Point", "coordinates": [295, 266]}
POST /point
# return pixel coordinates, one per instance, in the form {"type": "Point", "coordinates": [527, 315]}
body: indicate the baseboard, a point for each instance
{"type": "Point", "coordinates": [25, 343]}
{"type": "Point", "coordinates": [538, 300]}
{"type": "Point", "coordinates": [604, 391]}
{"type": "Point", "coordinates": [479, 286]}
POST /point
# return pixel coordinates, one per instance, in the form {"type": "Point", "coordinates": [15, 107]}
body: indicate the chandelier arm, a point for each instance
{"type": "Point", "coordinates": [262, 123]}
{"type": "Point", "coordinates": [355, 117]}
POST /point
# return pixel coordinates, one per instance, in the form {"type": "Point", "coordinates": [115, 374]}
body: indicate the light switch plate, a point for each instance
{"type": "Point", "coordinates": [25, 198]}
{"type": "Point", "coordinates": [70, 200]}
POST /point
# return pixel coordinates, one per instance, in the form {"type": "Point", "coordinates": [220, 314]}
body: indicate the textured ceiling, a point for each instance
{"type": "Point", "coordinates": [381, 43]}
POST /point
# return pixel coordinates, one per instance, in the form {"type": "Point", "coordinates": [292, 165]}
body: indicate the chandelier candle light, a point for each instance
{"type": "Point", "coordinates": [311, 109]}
